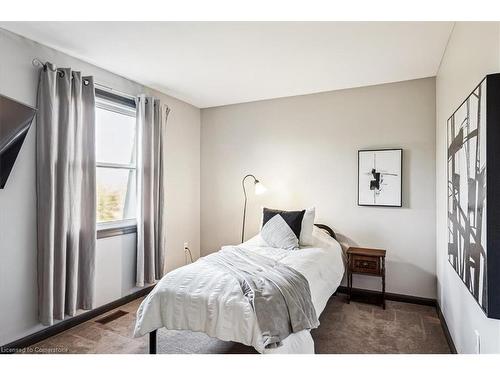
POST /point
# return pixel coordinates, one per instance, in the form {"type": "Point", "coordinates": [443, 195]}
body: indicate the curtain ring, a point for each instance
{"type": "Point", "coordinates": [86, 82]}
{"type": "Point", "coordinates": [61, 73]}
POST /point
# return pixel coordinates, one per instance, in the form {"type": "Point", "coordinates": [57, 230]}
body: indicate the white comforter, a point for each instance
{"type": "Point", "coordinates": [199, 298]}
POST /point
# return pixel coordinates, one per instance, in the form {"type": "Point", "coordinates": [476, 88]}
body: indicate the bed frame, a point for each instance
{"type": "Point", "coordinates": [153, 335]}
{"type": "Point", "coordinates": [328, 229]}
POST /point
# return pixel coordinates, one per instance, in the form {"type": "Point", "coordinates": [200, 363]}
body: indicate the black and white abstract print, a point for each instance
{"type": "Point", "coordinates": [467, 193]}
{"type": "Point", "coordinates": [379, 177]}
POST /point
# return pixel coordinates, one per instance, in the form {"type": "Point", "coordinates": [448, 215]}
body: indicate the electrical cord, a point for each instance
{"type": "Point", "coordinates": [186, 253]}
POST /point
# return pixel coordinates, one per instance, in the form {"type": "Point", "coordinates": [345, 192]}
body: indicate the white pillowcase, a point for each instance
{"type": "Point", "coordinates": [277, 233]}
{"type": "Point", "coordinates": [306, 232]}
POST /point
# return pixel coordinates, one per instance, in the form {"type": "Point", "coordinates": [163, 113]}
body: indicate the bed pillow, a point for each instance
{"type": "Point", "coordinates": [292, 218]}
{"type": "Point", "coordinates": [306, 234]}
{"type": "Point", "coordinates": [277, 233]}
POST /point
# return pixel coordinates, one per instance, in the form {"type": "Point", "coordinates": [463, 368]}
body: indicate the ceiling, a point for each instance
{"type": "Point", "coordinates": [217, 63]}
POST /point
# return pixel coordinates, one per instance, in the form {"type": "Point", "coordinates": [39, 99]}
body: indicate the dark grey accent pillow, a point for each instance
{"type": "Point", "coordinates": [292, 218]}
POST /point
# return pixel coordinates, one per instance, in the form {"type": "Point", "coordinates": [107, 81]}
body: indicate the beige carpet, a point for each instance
{"type": "Point", "coordinates": [345, 328]}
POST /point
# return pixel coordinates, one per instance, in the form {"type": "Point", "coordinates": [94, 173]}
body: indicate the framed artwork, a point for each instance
{"type": "Point", "coordinates": [473, 166]}
{"type": "Point", "coordinates": [379, 177]}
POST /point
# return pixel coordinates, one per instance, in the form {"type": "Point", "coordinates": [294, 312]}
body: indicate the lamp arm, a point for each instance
{"type": "Point", "coordinates": [248, 175]}
{"type": "Point", "coordinates": [245, 205]}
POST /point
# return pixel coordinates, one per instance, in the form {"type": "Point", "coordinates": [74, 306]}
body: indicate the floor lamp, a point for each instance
{"type": "Point", "coordinates": [259, 189]}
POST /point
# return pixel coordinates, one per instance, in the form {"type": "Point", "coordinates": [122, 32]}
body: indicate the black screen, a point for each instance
{"type": "Point", "coordinates": [15, 121]}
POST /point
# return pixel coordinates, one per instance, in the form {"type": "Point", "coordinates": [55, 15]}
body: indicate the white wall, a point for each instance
{"type": "Point", "coordinates": [115, 256]}
{"type": "Point", "coordinates": [304, 149]}
{"type": "Point", "coordinates": [472, 52]}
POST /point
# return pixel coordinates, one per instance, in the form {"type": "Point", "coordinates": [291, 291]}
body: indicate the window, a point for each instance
{"type": "Point", "coordinates": [116, 155]}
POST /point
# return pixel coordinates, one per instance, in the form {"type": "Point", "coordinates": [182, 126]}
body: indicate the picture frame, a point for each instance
{"type": "Point", "coordinates": [473, 204]}
{"type": "Point", "coordinates": [380, 173]}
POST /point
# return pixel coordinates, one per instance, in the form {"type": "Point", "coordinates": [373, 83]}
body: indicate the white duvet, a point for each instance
{"type": "Point", "coordinates": [201, 298]}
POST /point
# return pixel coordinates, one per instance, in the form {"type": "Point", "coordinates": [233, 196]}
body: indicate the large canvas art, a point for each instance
{"type": "Point", "coordinates": [467, 193]}
{"type": "Point", "coordinates": [473, 174]}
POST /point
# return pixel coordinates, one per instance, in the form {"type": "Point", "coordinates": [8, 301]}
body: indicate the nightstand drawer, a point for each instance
{"type": "Point", "coordinates": [364, 264]}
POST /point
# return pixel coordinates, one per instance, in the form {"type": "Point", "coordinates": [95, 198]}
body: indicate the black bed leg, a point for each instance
{"type": "Point", "coordinates": [152, 342]}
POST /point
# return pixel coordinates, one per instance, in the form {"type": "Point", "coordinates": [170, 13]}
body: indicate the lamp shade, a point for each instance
{"type": "Point", "coordinates": [259, 188]}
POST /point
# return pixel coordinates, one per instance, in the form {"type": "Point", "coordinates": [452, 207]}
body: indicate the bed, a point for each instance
{"type": "Point", "coordinates": [199, 298]}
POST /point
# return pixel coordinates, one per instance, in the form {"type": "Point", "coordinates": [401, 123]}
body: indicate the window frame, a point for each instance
{"type": "Point", "coordinates": [125, 106]}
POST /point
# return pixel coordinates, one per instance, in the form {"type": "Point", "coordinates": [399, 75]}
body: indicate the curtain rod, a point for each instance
{"type": "Point", "coordinates": [112, 90]}
{"type": "Point", "coordinates": [37, 62]}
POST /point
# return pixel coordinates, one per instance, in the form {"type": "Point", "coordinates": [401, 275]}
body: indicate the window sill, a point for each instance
{"type": "Point", "coordinates": [115, 229]}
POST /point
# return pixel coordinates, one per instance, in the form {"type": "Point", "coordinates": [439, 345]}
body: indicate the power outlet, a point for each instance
{"type": "Point", "coordinates": [186, 245]}
{"type": "Point", "coordinates": [478, 341]}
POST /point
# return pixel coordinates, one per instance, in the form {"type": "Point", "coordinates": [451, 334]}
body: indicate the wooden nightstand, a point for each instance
{"type": "Point", "coordinates": [365, 261]}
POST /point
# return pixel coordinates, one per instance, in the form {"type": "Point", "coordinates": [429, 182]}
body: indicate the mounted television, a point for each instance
{"type": "Point", "coordinates": [15, 121]}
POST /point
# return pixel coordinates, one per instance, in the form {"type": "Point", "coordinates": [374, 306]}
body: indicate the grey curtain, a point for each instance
{"type": "Point", "coordinates": [66, 197]}
{"type": "Point", "coordinates": [151, 223]}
